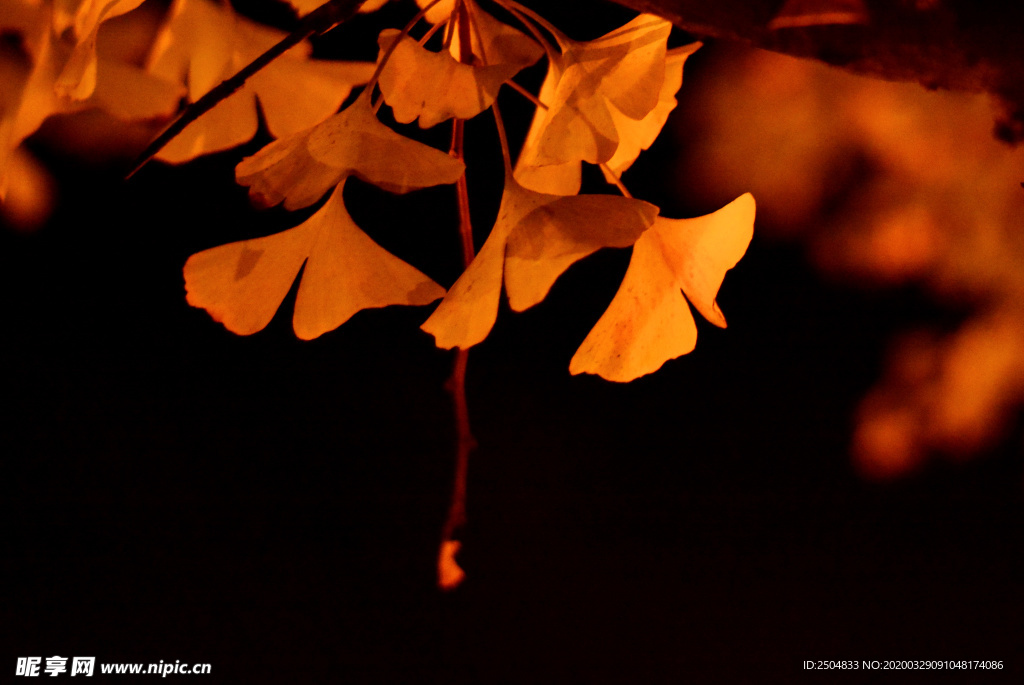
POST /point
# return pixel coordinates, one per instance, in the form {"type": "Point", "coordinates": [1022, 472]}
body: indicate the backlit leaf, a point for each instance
{"type": "Point", "coordinates": [638, 135]}
{"type": "Point", "coordinates": [557, 234]}
{"type": "Point", "coordinates": [624, 68]}
{"type": "Point", "coordinates": [649, 322]}
{"type": "Point", "coordinates": [242, 284]}
{"type": "Point", "coordinates": [433, 86]}
{"type": "Point", "coordinates": [204, 44]}
{"type": "Point", "coordinates": [301, 168]}
{"type": "Point", "coordinates": [536, 237]}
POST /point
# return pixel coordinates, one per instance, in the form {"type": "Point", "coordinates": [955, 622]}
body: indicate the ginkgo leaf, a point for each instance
{"type": "Point", "coordinates": [624, 68]}
{"type": "Point", "coordinates": [434, 86]}
{"type": "Point", "coordinates": [797, 13]}
{"type": "Point", "coordinates": [439, 12]}
{"type": "Point", "coordinates": [633, 136]}
{"type": "Point", "coordinates": [242, 284]}
{"type": "Point", "coordinates": [638, 135]}
{"type": "Point", "coordinates": [299, 169]}
{"type": "Point", "coordinates": [203, 44]}
{"type": "Point", "coordinates": [77, 80]}
{"type": "Point", "coordinates": [648, 321]}
{"type": "Point", "coordinates": [495, 42]}
{"type": "Point", "coordinates": [542, 235]}
{"type": "Point", "coordinates": [561, 179]}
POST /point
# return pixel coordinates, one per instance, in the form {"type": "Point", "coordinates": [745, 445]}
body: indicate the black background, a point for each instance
{"type": "Point", "coordinates": [272, 507]}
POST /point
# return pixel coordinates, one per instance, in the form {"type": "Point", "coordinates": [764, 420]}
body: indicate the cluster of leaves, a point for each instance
{"type": "Point", "coordinates": [602, 102]}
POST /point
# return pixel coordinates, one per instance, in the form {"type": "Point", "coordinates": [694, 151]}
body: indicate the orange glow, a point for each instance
{"type": "Point", "coordinates": [449, 574]}
{"type": "Point", "coordinates": [30, 193]}
{"type": "Point", "coordinates": [916, 189]}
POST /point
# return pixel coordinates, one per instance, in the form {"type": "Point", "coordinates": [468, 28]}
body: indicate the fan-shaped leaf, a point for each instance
{"type": "Point", "coordinates": [648, 322]}
{"type": "Point", "coordinates": [242, 284]}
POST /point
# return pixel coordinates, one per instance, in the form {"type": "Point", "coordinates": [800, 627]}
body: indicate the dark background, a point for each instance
{"type": "Point", "coordinates": [272, 507]}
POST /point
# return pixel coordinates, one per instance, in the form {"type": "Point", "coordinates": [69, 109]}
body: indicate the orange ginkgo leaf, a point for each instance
{"type": "Point", "coordinates": [648, 321]}
{"type": "Point", "coordinates": [634, 135]}
{"type": "Point", "coordinates": [435, 86]}
{"type": "Point", "coordinates": [493, 41]}
{"type": "Point", "coordinates": [242, 284]}
{"type": "Point", "coordinates": [535, 238]}
{"type": "Point", "coordinates": [77, 80]}
{"type": "Point", "coordinates": [624, 69]}
{"type": "Point", "coordinates": [299, 169]}
{"type": "Point", "coordinates": [204, 43]}
{"type": "Point", "coordinates": [798, 13]}
{"type": "Point", "coordinates": [638, 135]}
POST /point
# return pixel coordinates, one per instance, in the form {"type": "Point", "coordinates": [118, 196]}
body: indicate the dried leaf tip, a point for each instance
{"type": "Point", "coordinates": [449, 573]}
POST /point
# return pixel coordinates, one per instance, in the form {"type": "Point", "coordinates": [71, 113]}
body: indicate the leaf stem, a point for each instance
{"type": "Point", "coordinates": [456, 385]}
{"type": "Point", "coordinates": [525, 16]}
{"type": "Point", "coordinates": [616, 180]}
{"type": "Point", "coordinates": [525, 93]}
{"type": "Point", "coordinates": [519, 10]}
{"type": "Point", "coordinates": [506, 155]}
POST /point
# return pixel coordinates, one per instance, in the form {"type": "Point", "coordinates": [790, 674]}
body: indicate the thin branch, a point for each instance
{"type": "Point", "coordinates": [525, 93]}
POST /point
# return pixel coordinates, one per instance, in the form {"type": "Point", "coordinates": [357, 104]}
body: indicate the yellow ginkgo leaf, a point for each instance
{"type": "Point", "coordinates": [204, 43]}
{"type": "Point", "coordinates": [242, 284]}
{"type": "Point", "coordinates": [434, 86]}
{"type": "Point", "coordinates": [625, 68]}
{"type": "Point", "coordinates": [299, 169]}
{"type": "Point", "coordinates": [648, 321]}
{"type": "Point", "coordinates": [638, 135]}
{"type": "Point", "coordinates": [535, 238]}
